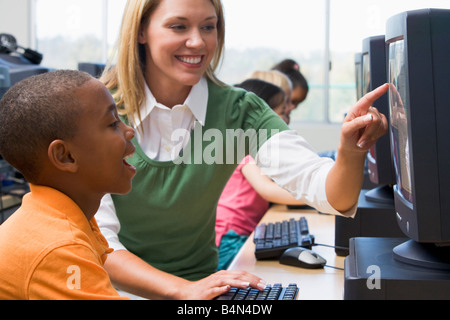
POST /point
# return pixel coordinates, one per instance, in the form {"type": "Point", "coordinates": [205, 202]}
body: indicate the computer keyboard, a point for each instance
{"type": "Point", "coordinates": [275, 292]}
{"type": "Point", "coordinates": [272, 239]}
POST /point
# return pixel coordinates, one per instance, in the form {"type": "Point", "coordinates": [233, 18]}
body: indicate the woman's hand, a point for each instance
{"type": "Point", "coordinates": [364, 125]}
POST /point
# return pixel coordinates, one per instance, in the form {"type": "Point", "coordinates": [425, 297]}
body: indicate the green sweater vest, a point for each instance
{"type": "Point", "coordinates": [168, 218]}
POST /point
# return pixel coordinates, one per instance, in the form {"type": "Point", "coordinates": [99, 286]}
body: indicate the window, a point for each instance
{"type": "Point", "coordinates": [82, 31]}
{"type": "Point", "coordinates": [261, 33]}
{"type": "Point", "coordinates": [350, 22]}
{"type": "Point", "coordinates": [322, 36]}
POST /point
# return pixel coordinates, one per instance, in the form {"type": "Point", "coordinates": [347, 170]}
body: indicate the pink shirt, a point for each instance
{"type": "Point", "coordinates": [240, 207]}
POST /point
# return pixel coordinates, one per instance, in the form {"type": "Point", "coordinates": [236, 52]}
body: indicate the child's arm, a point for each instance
{"type": "Point", "coordinates": [266, 187]}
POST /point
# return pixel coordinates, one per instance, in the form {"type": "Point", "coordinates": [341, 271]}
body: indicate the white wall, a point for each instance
{"type": "Point", "coordinates": [15, 18]}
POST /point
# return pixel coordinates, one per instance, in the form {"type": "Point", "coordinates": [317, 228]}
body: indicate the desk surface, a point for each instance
{"type": "Point", "coordinates": [318, 284]}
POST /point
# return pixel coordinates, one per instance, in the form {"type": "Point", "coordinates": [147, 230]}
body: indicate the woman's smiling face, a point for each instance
{"type": "Point", "coordinates": [180, 39]}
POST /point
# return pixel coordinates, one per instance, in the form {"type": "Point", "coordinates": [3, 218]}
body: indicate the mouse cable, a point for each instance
{"type": "Point", "coordinates": [330, 246]}
{"type": "Point", "coordinates": [335, 247]}
{"type": "Point", "coordinates": [334, 267]}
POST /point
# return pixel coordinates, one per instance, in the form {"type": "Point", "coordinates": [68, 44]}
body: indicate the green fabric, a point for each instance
{"type": "Point", "coordinates": [168, 218]}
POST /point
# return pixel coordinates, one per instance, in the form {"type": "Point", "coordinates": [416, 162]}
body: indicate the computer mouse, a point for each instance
{"type": "Point", "coordinates": [302, 258]}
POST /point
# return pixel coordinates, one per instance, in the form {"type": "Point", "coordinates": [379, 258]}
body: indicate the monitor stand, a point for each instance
{"type": "Point", "coordinates": [372, 219]}
{"type": "Point", "coordinates": [383, 194]}
{"type": "Point", "coordinates": [373, 273]}
{"type": "Point", "coordinates": [425, 255]}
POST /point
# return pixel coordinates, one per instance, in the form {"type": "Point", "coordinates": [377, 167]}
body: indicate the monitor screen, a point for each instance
{"type": "Point", "coordinates": [358, 75]}
{"type": "Point", "coordinates": [365, 73]}
{"type": "Point", "coordinates": [399, 118]}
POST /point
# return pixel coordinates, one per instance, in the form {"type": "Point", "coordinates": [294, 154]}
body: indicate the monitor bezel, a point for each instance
{"type": "Point", "coordinates": [420, 219]}
{"type": "Point", "coordinates": [358, 75]}
{"type": "Point", "coordinates": [376, 50]}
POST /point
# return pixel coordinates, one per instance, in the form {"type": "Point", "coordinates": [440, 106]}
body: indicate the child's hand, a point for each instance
{"type": "Point", "coordinates": [220, 283]}
{"type": "Point", "coordinates": [364, 125]}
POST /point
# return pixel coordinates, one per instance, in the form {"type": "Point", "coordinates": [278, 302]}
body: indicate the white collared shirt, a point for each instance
{"type": "Point", "coordinates": [159, 122]}
{"type": "Point", "coordinates": [297, 168]}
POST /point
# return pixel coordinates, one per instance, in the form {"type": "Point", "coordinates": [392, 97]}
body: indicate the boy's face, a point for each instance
{"type": "Point", "coordinates": [102, 143]}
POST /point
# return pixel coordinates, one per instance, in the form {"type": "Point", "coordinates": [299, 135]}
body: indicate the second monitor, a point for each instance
{"type": "Point", "coordinates": [375, 216]}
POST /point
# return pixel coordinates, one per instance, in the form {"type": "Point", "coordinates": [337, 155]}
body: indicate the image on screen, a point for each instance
{"type": "Point", "coordinates": [366, 74]}
{"type": "Point", "coordinates": [365, 89]}
{"type": "Point", "coordinates": [399, 118]}
{"type": "Point", "coordinates": [358, 70]}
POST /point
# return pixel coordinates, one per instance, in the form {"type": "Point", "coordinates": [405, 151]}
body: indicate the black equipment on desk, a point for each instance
{"type": "Point", "coordinates": [272, 239]}
{"type": "Point", "coordinates": [8, 44]}
{"type": "Point", "coordinates": [5, 80]}
{"type": "Point", "coordinates": [275, 292]}
{"type": "Point", "coordinates": [20, 68]}
{"type": "Point", "coordinates": [20, 62]}
{"type": "Point", "coordinates": [94, 69]}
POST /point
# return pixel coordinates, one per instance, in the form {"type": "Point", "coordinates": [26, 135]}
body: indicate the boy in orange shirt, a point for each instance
{"type": "Point", "coordinates": [61, 130]}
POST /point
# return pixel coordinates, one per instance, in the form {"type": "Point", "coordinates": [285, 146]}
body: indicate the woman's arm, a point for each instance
{"type": "Point", "coordinates": [330, 187]}
{"type": "Point", "coordinates": [131, 274]}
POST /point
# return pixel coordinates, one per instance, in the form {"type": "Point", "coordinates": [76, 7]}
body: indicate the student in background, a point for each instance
{"type": "Point", "coordinates": [164, 82]}
{"type": "Point", "coordinates": [300, 90]}
{"type": "Point", "coordinates": [278, 79]}
{"type": "Point", "coordinates": [300, 87]}
{"type": "Point", "coordinates": [272, 94]}
{"type": "Point", "coordinates": [62, 131]}
{"type": "Point", "coordinates": [248, 193]}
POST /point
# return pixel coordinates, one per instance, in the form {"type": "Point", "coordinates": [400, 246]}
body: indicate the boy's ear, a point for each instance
{"type": "Point", "coordinates": [60, 156]}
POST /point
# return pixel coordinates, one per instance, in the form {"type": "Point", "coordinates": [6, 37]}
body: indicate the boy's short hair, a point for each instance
{"type": "Point", "coordinates": [36, 111]}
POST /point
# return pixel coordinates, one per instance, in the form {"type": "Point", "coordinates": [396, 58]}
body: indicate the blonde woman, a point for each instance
{"type": "Point", "coordinates": [163, 81]}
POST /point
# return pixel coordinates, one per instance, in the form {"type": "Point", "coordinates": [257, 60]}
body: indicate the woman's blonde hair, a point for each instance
{"type": "Point", "coordinates": [124, 74]}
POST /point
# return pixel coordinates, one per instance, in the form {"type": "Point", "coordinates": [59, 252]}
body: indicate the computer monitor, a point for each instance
{"type": "Point", "coordinates": [379, 159]}
{"type": "Point", "coordinates": [94, 69]}
{"type": "Point", "coordinates": [419, 77]}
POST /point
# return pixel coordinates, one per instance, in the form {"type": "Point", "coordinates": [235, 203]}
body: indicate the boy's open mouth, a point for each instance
{"type": "Point", "coordinates": [128, 156]}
